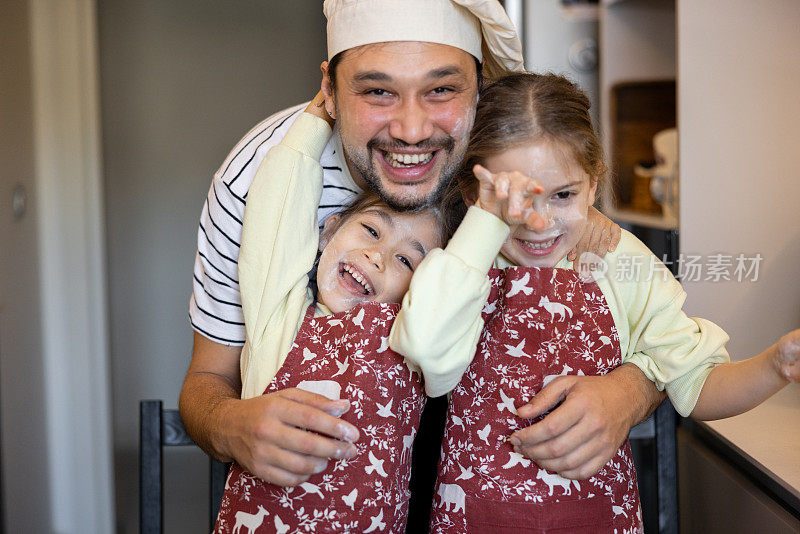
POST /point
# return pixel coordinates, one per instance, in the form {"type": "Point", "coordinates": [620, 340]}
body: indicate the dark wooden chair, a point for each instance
{"type": "Point", "coordinates": [161, 428]}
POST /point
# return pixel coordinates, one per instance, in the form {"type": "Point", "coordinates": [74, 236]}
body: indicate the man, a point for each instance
{"type": "Point", "coordinates": [402, 83]}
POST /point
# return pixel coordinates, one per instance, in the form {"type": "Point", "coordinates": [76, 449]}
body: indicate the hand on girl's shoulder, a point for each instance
{"type": "Point", "coordinates": [625, 263]}
{"type": "Point", "coordinates": [629, 245]}
{"type": "Point", "coordinates": [600, 235]}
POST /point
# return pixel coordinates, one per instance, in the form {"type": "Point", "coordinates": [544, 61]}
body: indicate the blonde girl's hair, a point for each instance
{"type": "Point", "coordinates": [525, 108]}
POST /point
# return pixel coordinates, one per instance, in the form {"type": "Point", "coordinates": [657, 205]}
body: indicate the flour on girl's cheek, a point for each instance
{"type": "Point", "coordinates": [379, 248]}
{"type": "Point", "coordinates": [563, 206]}
{"type": "Point", "coordinates": [559, 219]}
{"type": "Point", "coordinates": [327, 280]}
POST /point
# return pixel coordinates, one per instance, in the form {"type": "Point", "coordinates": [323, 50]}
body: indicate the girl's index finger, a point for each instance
{"type": "Point", "coordinates": [483, 174]}
{"type": "Point", "coordinates": [534, 186]}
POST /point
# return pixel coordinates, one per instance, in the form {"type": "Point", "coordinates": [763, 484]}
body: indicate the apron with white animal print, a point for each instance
{"type": "Point", "coordinates": [344, 355]}
{"type": "Point", "coordinates": [539, 324]}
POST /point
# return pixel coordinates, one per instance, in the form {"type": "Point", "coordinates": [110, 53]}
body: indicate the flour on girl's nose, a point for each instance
{"type": "Point", "coordinates": [558, 218]}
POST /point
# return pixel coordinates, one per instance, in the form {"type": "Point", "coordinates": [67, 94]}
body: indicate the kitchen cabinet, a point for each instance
{"type": "Point", "coordinates": [736, 74]}
{"type": "Point", "coordinates": [637, 100]}
{"type": "Point", "coordinates": [732, 478]}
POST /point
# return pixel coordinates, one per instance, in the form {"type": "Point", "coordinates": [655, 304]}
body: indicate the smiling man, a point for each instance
{"type": "Point", "coordinates": [402, 83]}
{"type": "Point", "coordinates": [404, 110]}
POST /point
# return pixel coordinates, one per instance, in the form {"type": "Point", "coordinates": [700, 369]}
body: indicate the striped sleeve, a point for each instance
{"type": "Point", "coordinates": [215, 307]}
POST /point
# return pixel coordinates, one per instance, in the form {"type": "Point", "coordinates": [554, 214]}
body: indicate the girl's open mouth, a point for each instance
{"type": "Point", "coordinates": [355, 281]}
{"type": "Point", "coordinates": [539, 248]}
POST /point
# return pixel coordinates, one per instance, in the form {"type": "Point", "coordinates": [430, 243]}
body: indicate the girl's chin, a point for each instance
{"type": "Point", "coordinates": [538, 262]}
{"type": "Point", "coordinates": [337, 301]}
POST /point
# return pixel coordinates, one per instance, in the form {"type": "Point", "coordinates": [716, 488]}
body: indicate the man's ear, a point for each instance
{"type": "Point", "coordinates": [327, 90]}
{"type": "Point", "coordinates": [328, 229]}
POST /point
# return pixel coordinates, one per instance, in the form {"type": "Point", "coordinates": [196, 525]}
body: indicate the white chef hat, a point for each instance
{"type": "Point", "coordinates": [480, 27]}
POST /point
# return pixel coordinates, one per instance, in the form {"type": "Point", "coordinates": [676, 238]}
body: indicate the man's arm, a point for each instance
{"type": "Point", "coordinates": [595, 416]}
{"type": "Point", "coordinates": [275, 436]}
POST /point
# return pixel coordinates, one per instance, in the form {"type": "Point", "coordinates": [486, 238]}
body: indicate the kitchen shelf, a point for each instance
{"type": "Point", "coordinates": [637, 48]}
{"type": "Point", "coordinates": [629, 216]}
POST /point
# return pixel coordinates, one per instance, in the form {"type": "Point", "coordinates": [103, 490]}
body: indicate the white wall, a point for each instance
{"type": "Point", "coordinates": [56, 410]}
{"type": "Point", "coordinates": [22, 394]}
{"type": "Point", "coordinates": [739, 105]}
{"type": "Point", "coordinates": [181, 82]}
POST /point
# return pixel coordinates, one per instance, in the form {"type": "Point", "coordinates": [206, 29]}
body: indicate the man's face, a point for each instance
{"type": "Point", "coordinates": [404, 111]}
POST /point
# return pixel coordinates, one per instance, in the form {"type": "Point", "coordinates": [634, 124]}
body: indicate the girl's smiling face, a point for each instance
{"type": "Point", "coordinates": [372, 255]}
{"type": "Point", "coordinates": [569, 192]}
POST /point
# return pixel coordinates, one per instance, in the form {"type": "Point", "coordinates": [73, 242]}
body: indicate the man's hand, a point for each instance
{"type": "Point", "coordinates": [595, 416]}
{"type": "Point", "coordinates": [602, 235]}
{"type": "Point", "coordinates": [276, 437]}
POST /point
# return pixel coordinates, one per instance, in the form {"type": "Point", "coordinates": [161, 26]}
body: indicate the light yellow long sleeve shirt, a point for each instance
{"type": "Point", "coordinates": [674, 351]}
{"type": "Point", "coordinates": [439, 322]}
{"type": "Point", "coordinates": [280, 237]}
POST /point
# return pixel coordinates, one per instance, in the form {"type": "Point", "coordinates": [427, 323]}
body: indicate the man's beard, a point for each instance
{"type": "Point", "coordinates": [362, 162]}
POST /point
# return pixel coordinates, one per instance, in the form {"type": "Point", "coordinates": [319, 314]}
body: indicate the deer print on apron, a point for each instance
{"type": "Point", "coordinates": [540, 323]}
{"type": "Point", "coordinates": [345, 355]}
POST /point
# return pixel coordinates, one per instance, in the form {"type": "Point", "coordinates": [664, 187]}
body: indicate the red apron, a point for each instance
{"type": "Point", "coordinates": [345, 355]}
{"type": "Point", "coordinates": [540, 323]}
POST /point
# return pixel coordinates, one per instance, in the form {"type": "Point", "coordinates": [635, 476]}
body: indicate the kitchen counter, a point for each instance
{"type": "Point", "coordinates": [764, 443]}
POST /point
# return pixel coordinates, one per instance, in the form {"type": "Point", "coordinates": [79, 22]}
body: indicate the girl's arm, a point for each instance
{"type": "Point", "coordinates": [285, 436]}
{"type": "Point", "coordinates": [280, 236]}
{"type": "Point", "coordinates": [439, 322]}
{"type": "Point", "coordinates": [736, 387]}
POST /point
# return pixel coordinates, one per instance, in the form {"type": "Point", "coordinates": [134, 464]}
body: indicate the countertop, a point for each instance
{"type": "Point", "coordinates": [768, 438]}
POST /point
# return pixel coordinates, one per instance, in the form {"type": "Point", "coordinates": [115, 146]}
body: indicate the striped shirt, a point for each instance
{"type": "Point", "coordinates": [215, 308]}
